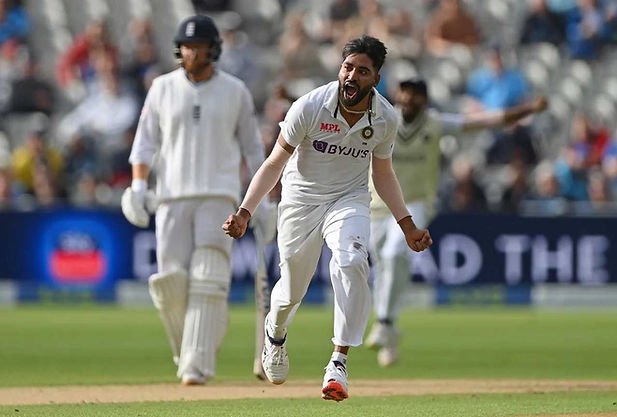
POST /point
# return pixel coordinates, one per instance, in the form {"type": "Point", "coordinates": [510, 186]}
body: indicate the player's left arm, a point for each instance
{"type": "Point", "coordinates": [490, 119]}
{"type": "Point", "coordinates": [387, 186]}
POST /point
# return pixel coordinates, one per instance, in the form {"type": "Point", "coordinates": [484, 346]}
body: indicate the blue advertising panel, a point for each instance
{"type": "Point", "coordinates": [81, 255]}
{"type": "Point", "coordinates": [70, 254]}
{"type": "Point", "coordinates": [519, 251]}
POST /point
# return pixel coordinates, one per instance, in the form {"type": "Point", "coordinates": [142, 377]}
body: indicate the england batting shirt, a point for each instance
{"type": "Point", "coordinates": [331, 159]}
{"type": "Point", "coordinates": [195, 134]}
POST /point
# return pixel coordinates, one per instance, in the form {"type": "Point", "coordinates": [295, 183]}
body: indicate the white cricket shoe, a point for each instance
{"type": "Point", "coordinates": [387, 356]}
{"type": "Point", "coordinates": [335, 382]}
{"type": "Point", "coordinates": [274, 360]}
{"type": "Point", "coordinates": [194, 377]}
{"type": "Point", "coordinates": [384, 338]}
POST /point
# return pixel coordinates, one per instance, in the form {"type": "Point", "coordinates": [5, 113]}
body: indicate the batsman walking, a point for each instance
{"type": "Point", "coordinates": [196, 126]}
{"type": "Point", "coordinates": [328, 140]}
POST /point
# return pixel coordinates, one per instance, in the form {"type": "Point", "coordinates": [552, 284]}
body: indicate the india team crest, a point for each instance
{"type": "Point", "coordinates": [367, 132]}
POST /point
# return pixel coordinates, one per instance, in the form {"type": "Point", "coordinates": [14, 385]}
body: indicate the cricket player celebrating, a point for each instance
{"type": "Point", "coordinates": [417, 164]}
{"type": "Point", "coordinates": [196, 125]}
{"type": "Point", "coordinates": [328, 140]}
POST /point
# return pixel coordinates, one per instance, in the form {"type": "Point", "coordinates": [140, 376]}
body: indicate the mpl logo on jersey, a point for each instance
{"type": "Point", "coordinates": [329, 127]}
{"type": "Point", "coordinates": [75, 253]}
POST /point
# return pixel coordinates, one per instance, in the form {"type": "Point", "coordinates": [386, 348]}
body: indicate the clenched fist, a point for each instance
{"type": "Point", "coordinates": [236, 224]}
{"type": "Point", "coordinates": [417, 239]}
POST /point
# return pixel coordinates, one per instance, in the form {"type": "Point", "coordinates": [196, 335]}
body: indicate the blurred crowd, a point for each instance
{"type": "Point", "coordinates": [65, 134]}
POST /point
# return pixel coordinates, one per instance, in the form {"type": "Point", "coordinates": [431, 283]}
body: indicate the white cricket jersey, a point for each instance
{"type": "Point", "coordinates": [417, 157]}
{"type": "Point", "coordinates": [331, 159]}
{"type": "Point", "coordinates": [194, 135]}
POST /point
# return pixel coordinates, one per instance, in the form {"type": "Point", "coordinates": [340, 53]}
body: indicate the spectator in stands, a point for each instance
{"type": "Point", "coordinates": [545, 198]}
{"type": "Point", "coordinates": [299, 52]}
{"type": "Point", "coordinates": [517, 189]}
{"type": "Point", "coordinates": [141, 57]}
{"type": "Point", "coordinates": [81, 158]}
{"type": "Point", "coordinates": [14, 26]}
{"type": "Point", "coordinates": [584, 30]}
{"type": "Point", "coordinates": [76, 67]}
{"type": "Point", "coordinates": [609, 165]}
{"type": "Point", "coordinates": [46, 188]}
{"type": "Point", "coordinates": [571, 174]}
{"type": "Point", "coordinates": [608, 31]}
{"type": "Point", "coordinates": [120, 174]}
{"type": "Point", "coordinates": [542, 25]}
{"type": "Point", "coordinates": [36, 159]}
{"type": "Point", "coordinates": [561, 7]}
{"type": "Point", "coordinates": [463, 193]}
{"type": "Point", "coordinates": [340, 13]}
{"type": "Point", "coordinates": [588, 140]}
{"type": "Point", "coordinates": [582, 154]}
{"type": "Point", "coordinates": [30, 92]}
{"type": "Point", "coordinates": [404, 33]}
{"type": "Point", "coordinates": [88, 191]}
{"type": "Point", "coordinates": [514, 142]}
{"type": "Point", "coordinates": [600, 192]}
{"type": "Point", "coordinates": [105, 113]}
{"type": "Point", "coordinates": [237, 57]}
{"type": "Point", "coordinates": [495, 86]}
{"type": "Point", "coordinates": [10, 192]}
{"type": "Point", "coordinates": [7, 189]}
{"type": "Point", "coordinates": [209, 6]}
{"type": "Point", "coordinates": [451, 25]}
{"type": "Point", "coordinates": [393, 25]}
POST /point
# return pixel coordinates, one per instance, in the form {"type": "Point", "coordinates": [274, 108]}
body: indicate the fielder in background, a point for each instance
{"type": "Point", "coordinates": [196, 125]}
{"type": "Point", "coordinates": [328, 140]}
{"type": "Point", "coordinates": [417, 163]}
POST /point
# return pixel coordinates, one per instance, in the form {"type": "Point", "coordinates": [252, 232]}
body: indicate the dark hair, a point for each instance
{"type": "Point", "coordinates": [416, 85]}
{"type": "Point", "coordinates": [373, 47]}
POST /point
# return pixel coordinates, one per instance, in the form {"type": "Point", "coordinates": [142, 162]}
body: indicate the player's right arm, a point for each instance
{"type": "Point", "coordinates": [137, 201]}
{"type": "Point", "coordinates": [262, 183]}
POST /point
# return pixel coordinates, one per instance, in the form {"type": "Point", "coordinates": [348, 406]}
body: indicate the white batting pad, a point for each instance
{"type": "Point", "coordinates": [206, 316]}
{"type": "Point", "coordinates": [169, 292]}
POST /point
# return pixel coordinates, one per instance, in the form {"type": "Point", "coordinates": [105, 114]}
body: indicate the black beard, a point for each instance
{"type": "Point", "coordinates": [359, 96]}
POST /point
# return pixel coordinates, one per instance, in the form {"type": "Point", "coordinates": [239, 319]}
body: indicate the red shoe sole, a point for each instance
{"type": "Point", "coordinates": [334, 391]}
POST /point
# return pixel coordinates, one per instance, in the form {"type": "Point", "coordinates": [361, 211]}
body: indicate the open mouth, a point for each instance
{"type": "Point", "coordinates": [350, 91]}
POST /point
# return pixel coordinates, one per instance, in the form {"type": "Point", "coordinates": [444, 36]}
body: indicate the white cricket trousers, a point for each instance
{"type": "Point", "coordinates": [345, 226]}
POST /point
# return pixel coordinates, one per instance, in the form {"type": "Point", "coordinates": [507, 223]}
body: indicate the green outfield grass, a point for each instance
{"type": "Point", "coordinates": [45, 346]}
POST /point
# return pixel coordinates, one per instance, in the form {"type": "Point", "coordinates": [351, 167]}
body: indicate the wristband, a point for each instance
{"type": "Point", "coordinates": [139, 185]}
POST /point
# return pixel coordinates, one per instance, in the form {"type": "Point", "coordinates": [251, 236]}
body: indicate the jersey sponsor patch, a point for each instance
{"type": "Point", "coordinates": [332, 149]}
{"type": "Point", "coordinates": [329, 127]}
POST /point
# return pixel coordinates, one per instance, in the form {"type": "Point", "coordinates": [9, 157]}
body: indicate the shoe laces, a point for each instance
{"type": "Point", "coordinates": [338, 368]}
{"type": "Point", "coordinates": [276, 350]}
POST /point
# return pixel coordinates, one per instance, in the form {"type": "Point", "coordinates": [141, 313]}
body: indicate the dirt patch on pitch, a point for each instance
{"type": "Point", "coordinates": [291, 389]}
